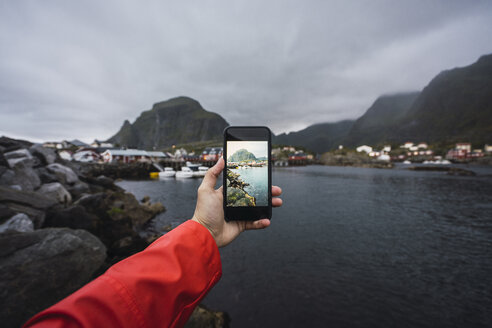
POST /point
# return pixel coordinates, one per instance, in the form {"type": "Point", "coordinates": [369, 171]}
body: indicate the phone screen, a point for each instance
{"type": "Point", "coordinates": [247, 173]}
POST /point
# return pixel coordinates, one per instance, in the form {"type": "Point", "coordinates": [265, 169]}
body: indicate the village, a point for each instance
{"type": "Point", "coordinates": [177, 157]}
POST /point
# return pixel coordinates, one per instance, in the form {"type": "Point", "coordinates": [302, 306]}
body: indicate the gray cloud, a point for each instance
{"type": "Point", "coordinates": [73, 69]}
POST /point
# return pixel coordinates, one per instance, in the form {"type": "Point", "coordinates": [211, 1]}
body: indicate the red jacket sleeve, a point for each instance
{"type": "Point", "coordinates": [158, 287]}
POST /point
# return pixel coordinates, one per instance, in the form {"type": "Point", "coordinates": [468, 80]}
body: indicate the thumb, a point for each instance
{"type": "Point", "coordinates": [212, 174]}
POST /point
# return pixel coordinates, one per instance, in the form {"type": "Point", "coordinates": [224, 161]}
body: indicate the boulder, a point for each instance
{"type": "Point", "coordinates": [63, 173]}
{"type": "Point", "coordinates": [205, 318]}
{"type": "Point", "coordinates": [25, 176]}
{"type": "Point", "coordinates": [56, 191]}
{"type": "Point", "coordinates": [105, 182]}
{"type": "Point", "coordinates": [5, 213]}
{"type": "Point", "coordinates": [18, 223]}
{"type": "Point", "coordinates": [78, 189]}
{"type": "Point", "coordinates": [39, 268]}
{"type": "Point", "coordinates": [6, 177]}
{"type": "Point", "coordinates": [8, 144]}
{"type": "Point", "coordinates": [45, 155]}
{"type": "Point", "coordinates": [3, 161]}
{"type": "Point", "coordinates": [19, 156]}
{"type": "Point", "coordinates": [31, 203]}
{"type": "Point", "coordinates": [45, 175]}
{"type": "Point", "coordinates": [74, 217]}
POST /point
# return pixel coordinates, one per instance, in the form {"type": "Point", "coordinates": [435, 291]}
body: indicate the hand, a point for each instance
{"type": "Point", "coordinates": [209, 210]}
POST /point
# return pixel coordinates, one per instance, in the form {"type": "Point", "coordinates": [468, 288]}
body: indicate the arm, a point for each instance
{"type": "Point", "coordinates": [160, 286]}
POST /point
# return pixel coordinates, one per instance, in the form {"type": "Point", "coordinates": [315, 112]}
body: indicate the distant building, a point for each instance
{"type": "Point", "coordinates": [464, 146]}
{"type": "Point", "coordinates": [211, 154]}
{"type": "Point", "coordinates": [407, 145]}
{"type": "Point", "coordinates": [340, 147]}
{"type": "Point", "coordinates": [65, 154]}
{"type": "Point", "coordinates": [86, 155]}
{"type": "Point", "coordinates": [125, 155]}
{"type": "Point", "coordinates": [422, 145]}
{"type": "Point", "coordinates": [487, 148]}
{"type": "Point", "coordinates": [101, 144]}
{"type": "Point", "coordinates": [364, 148]}
{"type": "Point", "coordinates": [156, 155]}
{"type": "Point", "coordinates": [386, 149]}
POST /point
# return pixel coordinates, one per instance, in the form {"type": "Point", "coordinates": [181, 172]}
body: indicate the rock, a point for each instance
{"type": "Point", "coordinates": [3, 161]}
{"type": "Point", "coordinates": [74, 217]}
{"type": "Point", "coordinates": [7, 177]}
{"type": "Point", "coordinates": [45, 175]}
{"type": "Point", "coordinates": [205, 318]}
{"type": "Point", "coordinates": [145, 199]}
{"type": "Point", "coordinates": [19, 156]}
{"type": "Point", "coordinates": [37, 269]}
{"type": "Point", "coordinates": [78, 189]}
{"type": "Point", "coordinates": [105, 182]}
{"type": "Point", "coordinates": [5, 213]}
{"type": "Point", "coordinates": [9, 144]}
{"type": "Point", "coordinates": [25, 176]}
{"type": "Point", "coordinates": [45, 155]}
{"type": "Point", "coordinates": [238, 197]}
{"type": "Point", "coordinates": [31, 203]}
{"type": "Point", "coordinates": [63, 173]}
{"type": "Point", "coordinates": [56, 191]}
{"type": "Point", "coordinates": [18, 223]}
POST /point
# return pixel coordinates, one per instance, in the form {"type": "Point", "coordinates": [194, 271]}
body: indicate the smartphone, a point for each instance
{"type": "Point", "coordinates": [247, 178]}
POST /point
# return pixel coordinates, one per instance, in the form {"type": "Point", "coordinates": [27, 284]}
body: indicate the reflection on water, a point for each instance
{"type": "Point", "coordinates": [354, 247]}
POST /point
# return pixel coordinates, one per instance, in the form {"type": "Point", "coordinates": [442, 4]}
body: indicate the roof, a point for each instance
{"type": "Point", "coordinates": [127, 152]}
{"type": "Point", "coordinates": [156, 154]}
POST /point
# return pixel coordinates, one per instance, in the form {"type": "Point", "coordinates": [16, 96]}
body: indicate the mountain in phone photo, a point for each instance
{"type": "Point", "coordinates": [242, 155]}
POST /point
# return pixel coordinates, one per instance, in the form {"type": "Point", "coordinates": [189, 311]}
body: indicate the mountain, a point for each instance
{"type": "Point", "coordinates": [455, 106]}
{"type": "Point", "coordinates": [241, 155]}
{"type": "Point", "coordinates": [175, 121]}
{"type": "Point", "coordinates": [318, 137]}
{"type": "Point", "coordinates": [378, 122]}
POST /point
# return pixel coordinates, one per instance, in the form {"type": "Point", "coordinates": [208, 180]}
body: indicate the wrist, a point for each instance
{"type": "Point", "coordinates": [194, 218]}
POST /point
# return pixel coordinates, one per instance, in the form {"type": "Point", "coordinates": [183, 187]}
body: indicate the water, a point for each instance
{"type": "Point", "coordinates": [354, 247]}
{"type": "Point", "coordinates": [257, 177]}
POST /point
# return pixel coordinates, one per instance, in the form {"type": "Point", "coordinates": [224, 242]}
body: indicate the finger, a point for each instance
{"type": "Point", "coordinates": [211, 177]}
{"type": "Point", "coordinates": [276, 191]}
{"type": "Point", "coordinates": [277, 202]}
{"type": "Point", "coordinates": [255, 225]}
{"type": "Point", "coordinates": [219, 190]}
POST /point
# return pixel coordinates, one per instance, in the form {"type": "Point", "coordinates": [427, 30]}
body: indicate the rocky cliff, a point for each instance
{"type": "Point", "coordinates": [176, 121]}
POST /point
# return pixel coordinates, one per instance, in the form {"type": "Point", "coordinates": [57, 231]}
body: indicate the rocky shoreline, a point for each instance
{"type": "Point", "coordinates": [62, 225]}
{"type": "Point", "coordinates": [353, 159]}
{"type": "Point", "coordinates": [236, 195]}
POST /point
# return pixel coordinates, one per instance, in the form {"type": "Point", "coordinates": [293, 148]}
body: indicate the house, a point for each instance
{"type": "Point", "coordinates": [125, 155]}
{"type": "Point", "coordinates": [156, 155]}
{"type": "Point", "coordinates": [211, 154]}
{"type": "Point", "coordinates": [65, 154]}
{"type": "Point", "coordinates": [386, 149]}
{"type": "Point", "coordinates": [422, 145]}
{"type": "Point", "coordinates": [101, 144]}
{"type": "Point", "coordinates": [364, 148]}
{"type": "Point", "coordinates": [487, 148]}
{"type": "Point", "coordinates": [407, 145]}
{"type": "Point", "coordinates": [466, 146]}
{"type": "Point", "coordinates": [86, 155]}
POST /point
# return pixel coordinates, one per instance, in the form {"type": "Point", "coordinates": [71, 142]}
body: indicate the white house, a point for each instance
{"type": "Point", "coordinates": [364, 148]}
{"type": "Point", "coordinates": [407, 145]}
{"type": "Point", "coordinates": [86, 156]}
{"type": "Point", "coordinates": [125, 155]}
{"type": "Point", "coordinates": [422, 145]}
{"type": "Point", "coordinates": [386, 149]}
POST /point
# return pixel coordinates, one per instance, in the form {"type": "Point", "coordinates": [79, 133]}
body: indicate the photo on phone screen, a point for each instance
{"type": "Point", "coordinates": [247, 173]}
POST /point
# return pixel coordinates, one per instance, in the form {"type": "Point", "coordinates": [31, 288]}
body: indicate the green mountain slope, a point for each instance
{"type": "Point", "coordinates": [455, 106]}
{"type": "Point", "coordinates": [378, 122]}
{"type": "Point", "coordinates": [318, 137]}
{"type": "Point", "coordinates": [175, 121]}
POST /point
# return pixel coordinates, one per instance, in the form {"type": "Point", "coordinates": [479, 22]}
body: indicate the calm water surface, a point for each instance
{"type": "Point", "coordinates": [355, 247]}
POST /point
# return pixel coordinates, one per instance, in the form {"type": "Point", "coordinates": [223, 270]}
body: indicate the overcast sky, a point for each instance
{"type": "Point", "coordinates": [78, 69]}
